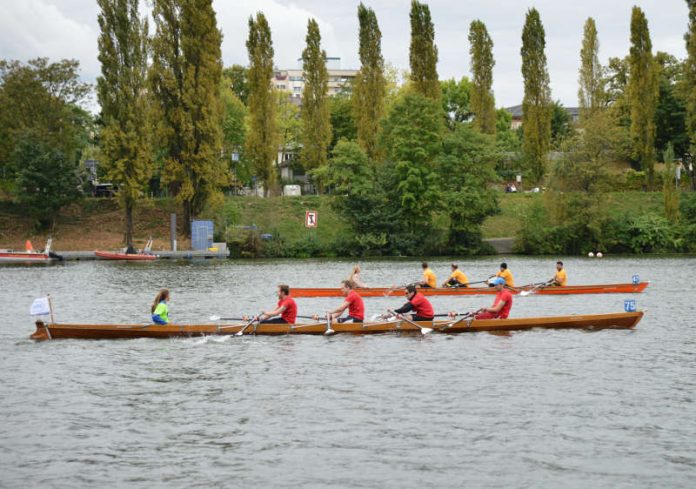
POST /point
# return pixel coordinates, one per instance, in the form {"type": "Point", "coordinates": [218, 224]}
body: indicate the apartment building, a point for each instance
{"type": "Point", "coordinates": [292, 80]}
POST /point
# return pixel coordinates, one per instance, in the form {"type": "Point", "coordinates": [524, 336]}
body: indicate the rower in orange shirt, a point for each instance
{"type": "Point", "coordinates": [560, 278]}
{"type": "Point", "coordinates": [429, 279]}
{"type": "Point", "coordinates": [505, 274]}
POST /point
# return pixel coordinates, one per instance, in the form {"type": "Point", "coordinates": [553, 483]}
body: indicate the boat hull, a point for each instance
{"type": "Point", "coordinates": [106, 255]}
{"type": "Point", "coordinates": [18, 256]}
{"type": "Point", "coordinates": [44, 331]}
{"type": "Point", "coordinates": [626, 288]}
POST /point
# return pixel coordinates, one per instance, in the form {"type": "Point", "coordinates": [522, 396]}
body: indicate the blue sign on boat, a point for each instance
{"type": "Point", "coordinates": [630, 305]}
{"type": "Point", "coordinates": [635, 279]}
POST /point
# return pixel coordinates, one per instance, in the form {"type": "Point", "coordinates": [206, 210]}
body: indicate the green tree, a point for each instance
{"type": "Point", "coordinates": [423, 52]}
{"type": "Point", "coordinates": [234, 133]}
{"type": "Point", "coordinates": [670, 190]}
{"type": "Point", "coordinates": [316, 123]}
{"type": "Point", "coordinates": [591, 93]}
{"type": "Point", "coordinates": [536, 105]}
{"type": "Point", "coordinates": [642, 95]}
{"type": "Point", "coordinates": [482, 62]}
{"type": "Point", "coordinates": [456, 100]}
{"type": "Point", "coordinates": [690, 74]}
{"type": "Point", "coordinates": [343, 123]}
{"type": "Point", "coordinates": [561, 124]}
{"type": "Point", "coordinates": [370, 87]}
{"type": "Point", "coordinates": [121, 91]}
{"type": "Point", "coordinates": [261, 147]}
{"type": "Point", "coordinates": [670, 113]}
{"type": "Point", "coordinates": [186, 74]}
{"type": "Point", "coordinates": [289, 127]}
{"type": "Point", "coordinates": [237, 78]}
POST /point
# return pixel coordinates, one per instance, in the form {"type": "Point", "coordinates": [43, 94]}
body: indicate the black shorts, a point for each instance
{"type": "Point", "coordinates": [420, 318]}
{"type": "Point", "coordinates": [349, 319]}
{"type": "Point", "coordinates": [277, 320]}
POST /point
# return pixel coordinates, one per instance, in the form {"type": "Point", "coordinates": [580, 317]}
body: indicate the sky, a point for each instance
{"type": "Point", "coordinates": [60, 29]}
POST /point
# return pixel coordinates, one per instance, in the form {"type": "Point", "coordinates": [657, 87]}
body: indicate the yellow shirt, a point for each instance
{"type": "Point", "coordinates": [429, 277]}
{"type": "Point", "coordinates": [507, 276]}
{"type": "Point", "coordinates": [460, 277]}
{"type": "Point", "coordinates": [561, 277]}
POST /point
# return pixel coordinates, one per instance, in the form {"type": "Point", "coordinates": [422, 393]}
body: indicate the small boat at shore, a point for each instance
{"type": "Point", "coordinates": [536, 289]}
{"type": "Point", "coordinates": [623, 320]}
{"type": "Point", "coordinates": [143, 255]}
{"type": "Point", "coordinates": [29, 255]}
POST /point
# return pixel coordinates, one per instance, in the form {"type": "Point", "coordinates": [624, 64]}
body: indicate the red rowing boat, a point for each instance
{"type": "Point", "coordinates": [627, 288]}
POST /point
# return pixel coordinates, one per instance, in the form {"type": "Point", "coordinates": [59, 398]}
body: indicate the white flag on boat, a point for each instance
{"type": "Point", "coordinates": [40, 307]}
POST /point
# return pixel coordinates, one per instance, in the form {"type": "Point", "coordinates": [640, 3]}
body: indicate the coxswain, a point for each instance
{"type": "Point", "coordinates": [429, 279]}
{"type": "Point", "coordinates": [505, 274]}
{"type": "Point", "coordinates": [355, 277]}
{"type": "Point", "coordinates": [501, 304]}
{"type": "Point", "coordinates": [457, 278]}
{"type": "Point", "coordinates": [421, 307]}
{"type": "Point", "coordinates": [285, 311]}
{"type": "Point", "coordinates": [353, 302]}
{"type": "Point", "coordinates": [159, 309]}
{"type": "Point", "coordinates": [560, 278]}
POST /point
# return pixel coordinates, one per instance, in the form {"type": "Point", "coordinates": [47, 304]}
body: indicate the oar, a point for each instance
{"type": "Point", "coordinates": [328, 331]}
{"type": "Point", "coordinates": [465, 316]}
{"type": "Point", "coordinates": [534, 289]}
{"type": "Point", "coordinates": [218, 318]}
{"type": "Point", "coordinates": [395, 287]}
{"type": "Point", "coordinates": [241, 331]}
{"type": "Point", "coordinates": [423, 329]}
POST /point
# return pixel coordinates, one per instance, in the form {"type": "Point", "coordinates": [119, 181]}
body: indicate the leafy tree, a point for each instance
{"type": "Point", "coordinates": [370, 85]}
{"type": "Point", "coordinates": [234, 133]}
{"type": "Point", "coordinates": [456, 98]}
{"type": "Point", "coordinates": [536, 105]}
{"type": "Point", "coordinates": [343, 123]}
{"type": "Point", "coordinates": [642, 94]}
{"type": "Point", "coordinates": [591, 93]}
{"type": "Point", "coordinates": [121, 91]}
{"type": "Point", "coordinates": [316, 123]}
{"type": "Point", "coordinates": [46, 179]}
{"type": "Point", "coordinates": [482, 62]}
{"type": "Point", "coordinates": [237, 76]}
{"type": "Point", "coordinates": [670, 113]}
{"type": "Point", "coordinates": [561, 124]}
{"type": "Point", "coordinates": [690, 74]}
{"type": "Point", "coordinates": [423, 52]}
{"type": "Point", "coordinates": [186, 74]}
{"type": "Point", "coordinates": [670, 191]}
{"type": "Point", "coordinates": [262, 139]}
{"type": "Point", "coordinates": [507, 139]}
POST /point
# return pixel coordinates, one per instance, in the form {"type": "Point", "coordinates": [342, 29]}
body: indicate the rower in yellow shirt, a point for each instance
{"type": "Point", "coordinates": [429, 279]}
{"type": "Point", "coordinates": [457, 278]}
{"type": "Point", "coordinates": [560, 278]}
{"type": "Point", "coordinates": [506, 275]}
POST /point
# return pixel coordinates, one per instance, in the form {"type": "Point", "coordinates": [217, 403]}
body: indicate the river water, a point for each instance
{"type": "Point", "coordinates": [542, 408]}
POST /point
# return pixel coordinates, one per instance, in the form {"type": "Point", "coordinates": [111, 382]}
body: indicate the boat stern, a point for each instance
{"type": "Point", "coordinates": [41, 333]}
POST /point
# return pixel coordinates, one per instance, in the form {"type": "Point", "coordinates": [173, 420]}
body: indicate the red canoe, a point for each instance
{"type": "Point", "coordinates": [107, 255]}
{"type": "Point", "coordinates": [628, 288]}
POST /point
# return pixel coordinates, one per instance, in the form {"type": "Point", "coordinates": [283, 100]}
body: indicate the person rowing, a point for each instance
{"type": "Point", "coordinates": [429, 279]}
{"type": "Point", "coordinates": [353, 302]}
{"type": "Point", "coordinates": [560, 278]}
{"type": "Point", "coordinates": [505, 274]}
{"type": "Point", "coordinates": [160, 309]}
{"type": "Point", "coordinates": [457, 278]}
{"type": "Point", "coordinates": [421, 307]}
{"type": "Point", "coordinates": [355, 277]}
{"type": "Point", "coordinates": [286, 309]}
{"type": "Point", "coordinates": [501, 304]}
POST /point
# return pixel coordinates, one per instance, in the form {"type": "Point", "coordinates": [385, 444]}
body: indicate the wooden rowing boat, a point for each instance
{"type": "Point", "coordinates": [627, 288]}
{"type": "Point", "coordinates": [44, 331]}
{"type": "Point", "coordinates": [108, 255]}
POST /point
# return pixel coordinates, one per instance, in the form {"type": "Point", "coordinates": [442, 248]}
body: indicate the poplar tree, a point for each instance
{"type": "Point", "coordinates": [121, 91]}
{"type": "Point", "coordinates": [316, 124]}
{"type": "Point", "coordinates": [591, 93]}
{"type": "Point", "coordinates": [642, 94]}
{"type": "Point", "coordinates": [690, 75]}
{"type": "Point", "coordinates": [536, 105]}
{"type": "Point", "coordinates": [370, 86]}
{"type": "Point", "coordinates": [261, 147]}
{"type": "Point", "coordinates": [423, 52]}
{"type": "Point", "coordinates": [185, 76]}
{"type": "Point", "coordinates": [482, 102]}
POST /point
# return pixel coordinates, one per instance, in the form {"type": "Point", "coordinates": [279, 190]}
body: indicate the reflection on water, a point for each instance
{"type": "Point", "coordinates": [532, 409]}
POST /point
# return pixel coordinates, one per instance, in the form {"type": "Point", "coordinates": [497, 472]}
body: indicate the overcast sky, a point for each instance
{"type": "Point", "coordinates": [60, 29]}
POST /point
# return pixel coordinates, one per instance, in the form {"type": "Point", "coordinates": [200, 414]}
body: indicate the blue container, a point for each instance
{"type": "Point", "coordinates": [201, 234]}
{"type": "Point", "coordinates": [635, 279]}
{"type": "Point", "coordinates": [630, 305]}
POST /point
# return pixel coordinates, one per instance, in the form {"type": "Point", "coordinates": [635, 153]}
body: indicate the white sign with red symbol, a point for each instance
{"type": "Point", "coordinates": [311, 219]}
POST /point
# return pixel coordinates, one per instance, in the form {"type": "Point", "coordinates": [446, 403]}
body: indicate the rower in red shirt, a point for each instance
{"type": "Point", "coordinates": [421, 307]}
{"type": "Point", "coordinates": [501, 304]}
{"type": "Point", "coordinates": [353, 302]}
{"type": "Point", "coordinates": [286, 309]}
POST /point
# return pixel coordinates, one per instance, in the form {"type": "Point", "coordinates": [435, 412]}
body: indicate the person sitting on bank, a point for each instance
{"type": "Point", "coordinates": [421, 307]}
{"type": "Point", "coordinates": [286, 309]}
{"type": "Point", "coordinates": [457, 278]}
{"type": "Point", "coordinates": [501, 304]}
{"type": "Point", "coordinates": [505, 274]}
{"type": "Point", "coordinates": [159, 309]}
{"type": "Point", "coordinates": [429, 279]}
{"type": "Point", "coordinates": [560, 278]}
{"type": "Point", "coordinates": [355, 277]}
{"type": "Point", "coordinates": [353, 302]}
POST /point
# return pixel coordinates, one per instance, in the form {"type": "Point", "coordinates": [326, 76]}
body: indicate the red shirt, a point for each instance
{"type": "Point", "coordinates": [356, 307]}
{"type": "Point", "coordinates": [422, 306]}
{"type": "Point", "coordinates": [290, 312]}
{"type": "Point", "coordinates": [503, 295]}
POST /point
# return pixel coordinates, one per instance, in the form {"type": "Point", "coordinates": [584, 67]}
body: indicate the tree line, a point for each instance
{"type": "Point", "coordinates": [393, 156]}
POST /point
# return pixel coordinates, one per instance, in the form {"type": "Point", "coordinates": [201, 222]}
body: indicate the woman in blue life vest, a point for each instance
{"type": "Point", "coordinates": [160, 310]}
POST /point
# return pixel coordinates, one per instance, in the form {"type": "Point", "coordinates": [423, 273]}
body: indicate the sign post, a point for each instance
{"type": "Point", "coordinates": [311, 219]}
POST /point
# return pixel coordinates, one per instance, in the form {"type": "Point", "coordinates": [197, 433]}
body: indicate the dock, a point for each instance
{"type": "Point", "coordinates": [163, 255]}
